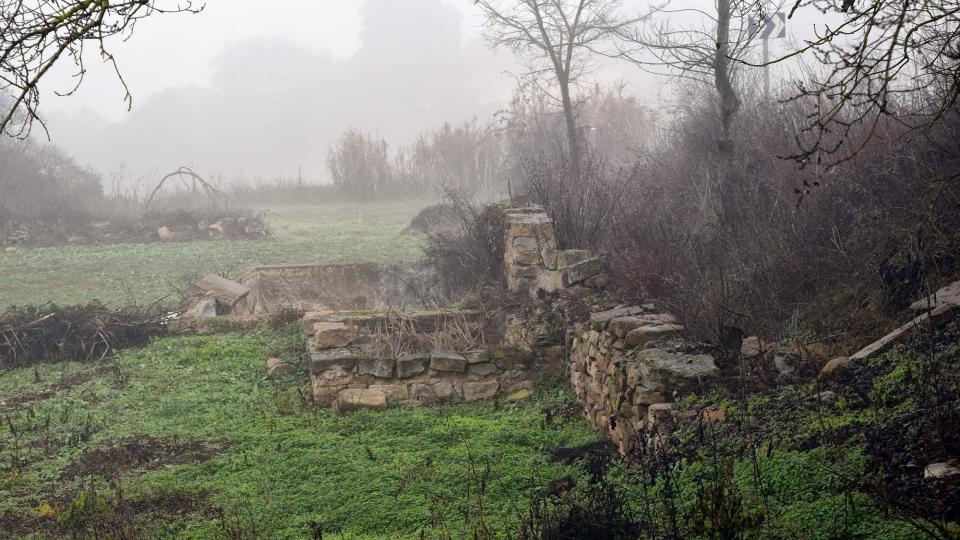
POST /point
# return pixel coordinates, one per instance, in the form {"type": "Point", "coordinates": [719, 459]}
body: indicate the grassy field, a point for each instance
{"type": "Point", "coordinates": [145, 273]}
{"type": "Point", "coordinates": [185, 438]}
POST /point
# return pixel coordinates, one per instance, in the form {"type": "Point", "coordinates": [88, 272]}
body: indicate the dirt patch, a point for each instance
{"type": "Point", "coordinates": [92, 514]}
{"type": "Point", "coordinates": [131, 453]}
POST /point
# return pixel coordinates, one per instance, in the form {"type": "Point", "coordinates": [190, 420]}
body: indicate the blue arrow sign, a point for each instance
{"type": "Point", "coordinates": [772, 27]}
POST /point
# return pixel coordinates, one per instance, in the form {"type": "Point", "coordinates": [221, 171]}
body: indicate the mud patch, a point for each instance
{"type": "Point", "coordinates": [132, 453]}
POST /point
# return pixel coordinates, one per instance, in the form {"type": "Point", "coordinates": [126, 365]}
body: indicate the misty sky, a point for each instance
{"type": "Point", "coordinates": [252, 89]}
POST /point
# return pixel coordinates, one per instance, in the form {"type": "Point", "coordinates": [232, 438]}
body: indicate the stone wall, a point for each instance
{"type": "Point", "coordinates": [627, 365]}
{"type": "Point", "coordinates": [346, 286]}
{"type": "Point", "coordinates": [534, 265]}
{"type": "Point", "coordinates": [349, 369]}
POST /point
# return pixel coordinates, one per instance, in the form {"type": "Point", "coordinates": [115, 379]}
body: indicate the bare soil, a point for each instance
{"type": "Point", "coordinates": [138, 452]}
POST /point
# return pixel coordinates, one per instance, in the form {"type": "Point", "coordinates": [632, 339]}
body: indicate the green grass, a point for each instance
{"type": "Point", "coordinates": [278, 467]}
{"type": "Point", "coordinates": [144, 273]}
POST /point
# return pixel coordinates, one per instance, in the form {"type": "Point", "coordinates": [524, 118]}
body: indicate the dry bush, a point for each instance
{"type": "Point", "coordinates": [584, 211]}
{"type": "Point", "coordinates": [471, 256]}
{"type": "Point", "coordinates": [783, 250]}
{"type": "Point", "coordinates": [41, 182]}
{"type": "Point", "coordinates": [31, 335]}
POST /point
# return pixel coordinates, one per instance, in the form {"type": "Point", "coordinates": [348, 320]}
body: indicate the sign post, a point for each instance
{"type": "Point", "coordinates": [771, 27]}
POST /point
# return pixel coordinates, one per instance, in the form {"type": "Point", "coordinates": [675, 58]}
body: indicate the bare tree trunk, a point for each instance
{"type": "Point", "coordinates": [729, 102]}
{"type": "Point", "coordinates": [573, 143]}
{"type": "Point", "coordinates": [729, 105]}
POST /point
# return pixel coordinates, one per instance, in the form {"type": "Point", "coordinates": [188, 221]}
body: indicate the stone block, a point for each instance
{"type": "Point", "coordinates": [667, 371]}
{"type": "Point", "coordinates": [378, 367]}
{"type": "Point", "coordinates": [519, 395]}
{"type": "Point", "coordinates": [422, 392]}
{"type": "Point", "coordinates": [941, 471]}
{"type": "Point", "coordinates": [646, 335]}
{"type": "Point", "coordinates": [550, 281]}
{"type": "Point", "coordinates": [620, 326]}
{"type": "Point", "coordinates": [444, 391]}
{"type": "Point", "coordinates": [834, 367]}
{"type": "Point", "coordinates": [395, 393]}
{"type": "Point", "coordinates": [531, 227]}
{"type": "Point", "coordinates": [322, 359]}
{"type": "Point", "coordinates": [332, 335]}
{"type": "Point", "coordinates": [525, 272]}
{"type": "Point", "coordinates": [571, 257]}
{"type": "Point", "coordinates": [751, 347]}
{"type": "Point", "coordinates": [550, 257]}
{"type": "Point", "coordinates": [360, 398]}
{"type": "Point", "coordinates": [477, 357]}
{"type": "Point", "coordinates": [448, 361]}
{"type": "Point", "coordinates": [600, 319]}
{"type": "Point", "coordinates": [582, 271]}
{"type": "Point", "coordinates": [411, 364]}
{"type": "Point", "coordinates": [482, 370]}
{"type": "Point", "coordinates": [526, 258]}
{"type": "Point", "coordinates": [598, 281]}
{"type": "Point", "coordinates": [276, 366]}
{"type": "Point", "coordinates": [646, 398]}
{"type": "Point", "coordinates": [473, 391]}
{"type": "Point", "coordinates": [525, 243]}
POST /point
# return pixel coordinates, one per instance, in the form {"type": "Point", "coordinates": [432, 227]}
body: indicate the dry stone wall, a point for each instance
{"type": "Point", "coordinates": [350, 370]}
{"type": "Point", "coordinates": [627, 365]}
{"type": "Point", "coordinates": [534, 265]}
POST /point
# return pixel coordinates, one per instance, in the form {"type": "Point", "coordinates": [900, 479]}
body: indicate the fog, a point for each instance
{"type": "Point", "coordinates": [249, 91]}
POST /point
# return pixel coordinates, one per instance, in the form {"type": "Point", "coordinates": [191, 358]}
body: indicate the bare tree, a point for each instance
{"type": "Point", "coordinates": [887, 59]}
{"type": "Point", "coordinates": [706, 51]}
{"type": "Point", "coordinates": [555, 37]}
{"type": "Point", "coordinates": [35, 35]}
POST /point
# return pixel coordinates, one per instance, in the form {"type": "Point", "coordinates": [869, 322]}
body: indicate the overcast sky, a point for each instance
{"type": "Point", "coordinates": [252, 89]}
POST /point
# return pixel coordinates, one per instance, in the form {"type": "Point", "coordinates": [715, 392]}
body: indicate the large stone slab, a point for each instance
{"type": "Point", "coordinates": [662, 370]}
{"type": "Point", "coordinates": [933, 318]}
{"type": "Point", "coordinates": [227, 291]}
{"type": "Point", "coordinates": [945, 295]}
{"type": "Point", "coordinates": [571, 257]}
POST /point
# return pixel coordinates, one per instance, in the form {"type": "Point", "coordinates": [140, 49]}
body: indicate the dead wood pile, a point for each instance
{"type": "Point", "coordinates": [30, 335]}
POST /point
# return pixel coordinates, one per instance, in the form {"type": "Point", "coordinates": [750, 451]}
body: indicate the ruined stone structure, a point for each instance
{"type": "Point", "coordinates": [345, 286]}
{"type": "Point", "coordinates": [627, 365]}
{"type": "Point", "coordinates": [533, 262]}
{"type": "Point", "coordinates": [372, 360]}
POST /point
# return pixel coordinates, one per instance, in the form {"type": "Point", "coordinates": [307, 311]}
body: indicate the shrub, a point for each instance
{"type": "Point", "coordinates": [772, 247]}
{"type": "Point", "coordinates": [359, 165]}
{"type": "Point", "coordinates": [471, 255]}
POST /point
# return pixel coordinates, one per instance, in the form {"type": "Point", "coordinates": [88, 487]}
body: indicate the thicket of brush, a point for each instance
{"type": "Point", "coordinates": [769, 245]}
{"type": "Point", "coordinates": [29, 335]}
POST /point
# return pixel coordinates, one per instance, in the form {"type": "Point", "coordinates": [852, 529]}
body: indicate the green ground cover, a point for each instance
{"type": "Point", "coordinates": [145, 273]}
{"type": "Point", "coordinates": [268, 463]}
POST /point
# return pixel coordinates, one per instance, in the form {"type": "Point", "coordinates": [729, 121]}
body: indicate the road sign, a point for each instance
{"type": "Point", "coordinates": [772, 27]}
